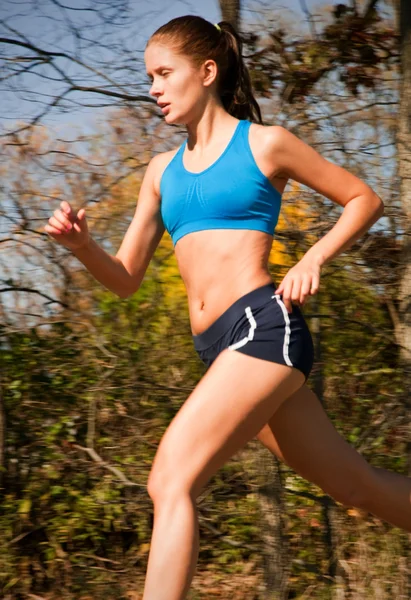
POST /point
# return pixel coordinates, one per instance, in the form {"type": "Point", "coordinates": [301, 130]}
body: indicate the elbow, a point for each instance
{"type": "Point", "coordinates": [129, 287]}
{"type": "Point", "coordinates": [380, 208]}
{"type": "Point", "coordinates": [128, 291]}
{"type": "Point", "coordinates": [123, 294]}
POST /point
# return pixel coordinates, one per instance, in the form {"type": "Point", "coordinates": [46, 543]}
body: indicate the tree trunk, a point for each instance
{"type": "Point", "coordinates": [2, 435]}
{"type": "Point", "coordinates": [404, 164]}
{"type": "Point", "coordinates": [230, 11]}
{"type": "Point", "coordinates": [275, 548]}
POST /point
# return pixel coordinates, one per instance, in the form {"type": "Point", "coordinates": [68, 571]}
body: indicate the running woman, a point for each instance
{"type": "Point", "coordinates": [219, 196]}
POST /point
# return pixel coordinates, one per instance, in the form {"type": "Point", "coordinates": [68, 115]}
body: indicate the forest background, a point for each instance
{"type": "Point", "coordinates": [89, 382]}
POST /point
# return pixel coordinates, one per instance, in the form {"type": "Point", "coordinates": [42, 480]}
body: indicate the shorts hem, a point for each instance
{"type": "Point", "coordinates": [277, 362]}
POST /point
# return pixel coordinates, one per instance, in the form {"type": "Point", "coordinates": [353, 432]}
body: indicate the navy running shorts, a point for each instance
{"type": "Point", "coordinates": [258, 324]}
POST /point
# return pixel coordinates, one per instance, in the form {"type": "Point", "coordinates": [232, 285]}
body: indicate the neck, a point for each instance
{"type": "Point", "coordinates": [212, 127]}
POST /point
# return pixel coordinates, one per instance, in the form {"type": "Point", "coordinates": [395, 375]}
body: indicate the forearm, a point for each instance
{"type": "Point", "coordinates": [357, 217]}
{"type": "Point", "coordinates": [107, 269]}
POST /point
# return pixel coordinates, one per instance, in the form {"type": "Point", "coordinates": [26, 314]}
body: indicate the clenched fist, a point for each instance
{"type": "Point", "coordinates": [68, 228]}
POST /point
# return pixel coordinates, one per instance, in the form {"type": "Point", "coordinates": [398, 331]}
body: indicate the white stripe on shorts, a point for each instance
{"type": "Point", "coordinates": [287, 329]}
{"type": "Point", "coordinates": [253, 326]}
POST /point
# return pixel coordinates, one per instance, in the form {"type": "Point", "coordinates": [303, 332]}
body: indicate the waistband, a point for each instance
{"type": "Point", "coordinates": [228, 318]}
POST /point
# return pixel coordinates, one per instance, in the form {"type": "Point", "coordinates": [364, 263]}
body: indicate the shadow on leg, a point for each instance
{"type": "Point", "coordinates": [301, 435]}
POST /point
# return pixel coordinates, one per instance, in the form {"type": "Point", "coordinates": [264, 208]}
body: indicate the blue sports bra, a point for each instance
{"type": "Point", "coordinates": [232, 193]}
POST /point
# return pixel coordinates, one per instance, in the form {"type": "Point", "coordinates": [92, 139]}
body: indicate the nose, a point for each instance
{"type": "Point", "coordinates": [154, 91]}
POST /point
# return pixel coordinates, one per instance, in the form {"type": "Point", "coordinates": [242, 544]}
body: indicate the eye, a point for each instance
{"type": "Point", "coordinates": [150, 79]}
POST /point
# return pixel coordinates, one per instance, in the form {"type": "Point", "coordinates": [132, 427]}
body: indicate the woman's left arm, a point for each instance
{"type": "Point", "coordinates": [362, 208]}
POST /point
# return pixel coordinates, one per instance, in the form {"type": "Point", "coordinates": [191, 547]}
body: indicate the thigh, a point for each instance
{"type": "Point", "coordinates": [301, 434]}
{"type": "Point", "coordinates": [228, 407]}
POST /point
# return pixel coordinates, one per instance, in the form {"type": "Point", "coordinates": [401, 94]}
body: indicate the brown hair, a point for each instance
{"type": "Point", "coordinates": [200, 40]}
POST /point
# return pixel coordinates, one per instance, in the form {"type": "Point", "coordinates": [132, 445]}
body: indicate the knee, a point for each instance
{"type": "Point", "coordinates": [163, 486]}
{"type": "Point", "coordinates": [157, 485]}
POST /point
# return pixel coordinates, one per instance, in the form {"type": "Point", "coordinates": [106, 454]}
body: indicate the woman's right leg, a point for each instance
{"type": "Point", "coordinates": [301, 434]}
{"type": "Point", "coordinates": [226, 410]}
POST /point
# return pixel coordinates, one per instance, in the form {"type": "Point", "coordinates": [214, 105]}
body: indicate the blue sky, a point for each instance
{"type": "Point", "coordinates": [146, 15]}
{"type": "Point", "coordinates": [209, 9]}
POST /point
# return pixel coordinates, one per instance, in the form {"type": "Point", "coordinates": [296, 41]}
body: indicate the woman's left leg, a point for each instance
{"type": "Point", "coordinates": [301, 435]}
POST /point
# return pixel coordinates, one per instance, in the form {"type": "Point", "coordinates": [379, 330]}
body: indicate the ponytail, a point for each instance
{"type": "Point", "coordinates": [235, 87]}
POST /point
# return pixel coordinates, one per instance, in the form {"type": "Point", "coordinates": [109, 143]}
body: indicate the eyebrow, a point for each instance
{"type": "Point", "coordinates": [159, 68]}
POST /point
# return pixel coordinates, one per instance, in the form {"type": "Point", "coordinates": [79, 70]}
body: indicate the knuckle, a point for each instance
{"type": "Point", "coordinates": [56, 223]}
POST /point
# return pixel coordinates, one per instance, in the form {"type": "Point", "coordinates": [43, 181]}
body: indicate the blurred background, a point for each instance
{"type": "Point", "coordinates": [89, 382]}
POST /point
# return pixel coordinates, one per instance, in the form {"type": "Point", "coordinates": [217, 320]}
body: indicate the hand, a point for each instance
{"type": "Point", "coordinates": [301, 280]}
{"type": "Point", "coordinates": [68, 227]}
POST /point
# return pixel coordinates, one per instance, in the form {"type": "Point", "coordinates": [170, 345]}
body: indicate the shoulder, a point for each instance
{"type": "Point", "coordinates": [272, 136]}
{"type": "Point", "coordinates": [267, 144]}
{"type": "Point", "coordinates": [289, 153]}
{"type": "Point", "coordinates": [158, 164]}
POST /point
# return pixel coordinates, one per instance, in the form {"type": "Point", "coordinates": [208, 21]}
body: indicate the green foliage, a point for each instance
{"type": "Point", "coordinates": [61, 506]}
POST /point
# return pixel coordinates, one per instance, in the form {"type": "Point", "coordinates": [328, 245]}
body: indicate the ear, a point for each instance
{"type": "Point", "coordinates": [210, 72]}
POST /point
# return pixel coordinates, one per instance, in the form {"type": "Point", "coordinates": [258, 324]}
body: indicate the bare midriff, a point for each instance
{"type": "Point", "coordinates": [219, 266]}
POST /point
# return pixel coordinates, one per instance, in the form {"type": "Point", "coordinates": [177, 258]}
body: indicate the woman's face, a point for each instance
{"type": "Point", "coordinates": [176, 82]}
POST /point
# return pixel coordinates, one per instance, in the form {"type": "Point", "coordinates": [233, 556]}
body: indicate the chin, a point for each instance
{"type": "Point", "coordinates": [171, 120]}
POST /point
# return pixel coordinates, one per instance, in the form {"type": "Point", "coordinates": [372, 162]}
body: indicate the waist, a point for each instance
{"type": "Point", "coordinates": [205, 313]}
{"type": "Point", "coordinates": [257, 297]}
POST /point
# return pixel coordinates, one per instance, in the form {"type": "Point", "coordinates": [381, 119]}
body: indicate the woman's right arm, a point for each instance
{"type": "Point", "coordinates": [123, 273]}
